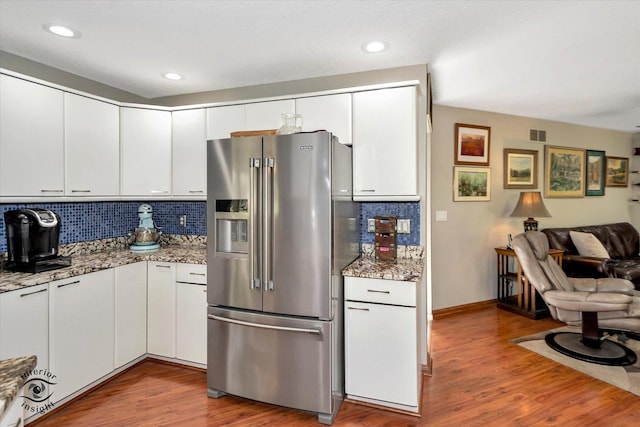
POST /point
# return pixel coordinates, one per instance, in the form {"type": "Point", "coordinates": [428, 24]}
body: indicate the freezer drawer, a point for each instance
{"type": "Point", "coordinates": [273, 359]}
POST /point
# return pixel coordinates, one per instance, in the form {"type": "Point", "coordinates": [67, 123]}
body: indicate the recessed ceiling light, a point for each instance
{"type": "Point", "coordinates": [375, 46]}
{"type": "Point", "coordinates": [173, 76]}
{"type": "Point", "coordinates": [62, 31]}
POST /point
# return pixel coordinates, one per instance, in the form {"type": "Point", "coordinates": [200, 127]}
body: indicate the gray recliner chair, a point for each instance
{"type": "Point", "coordinates": [597, 305]}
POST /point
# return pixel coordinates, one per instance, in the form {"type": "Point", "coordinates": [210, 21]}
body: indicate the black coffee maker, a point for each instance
{"type": "Point", "coordinates": [32, 240]}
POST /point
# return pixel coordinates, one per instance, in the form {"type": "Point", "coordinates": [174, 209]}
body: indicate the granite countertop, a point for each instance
{"type": "Point", "coordinates": [88, 263]}
{"type": "Point", "coordinates": [405, 269]}
{"type": "Point", "coordinates": [13, 374]}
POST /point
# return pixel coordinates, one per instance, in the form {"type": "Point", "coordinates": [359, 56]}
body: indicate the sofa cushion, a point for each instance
{"type": "Point", "coordinates": [621, 240]}
{"type": "Point", "coordinates": [588, 244]}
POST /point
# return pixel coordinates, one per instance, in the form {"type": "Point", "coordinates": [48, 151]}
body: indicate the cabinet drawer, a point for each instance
{"type": "Point", "coordinates": [192, 273]}
{"type": "Point", "coordinates": [380, 291]}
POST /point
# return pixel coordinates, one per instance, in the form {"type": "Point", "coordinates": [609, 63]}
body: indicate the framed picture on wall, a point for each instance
{"type": "Point", "coordinates": [594, 181]}
{"type": "Point", "coordinates": [520, 168]}
{"type": "Point", "coordinates": [617, 171]}
{"type": "Point", "coordinates": [564, 171]}
{"type": "Point", "coordinates": [472, 145]}
{"type": "Point", "coordinates": [471, 184]}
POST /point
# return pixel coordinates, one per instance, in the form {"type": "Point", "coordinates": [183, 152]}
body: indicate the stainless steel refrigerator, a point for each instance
{"type": "Point", "coordinates": [281, 225]}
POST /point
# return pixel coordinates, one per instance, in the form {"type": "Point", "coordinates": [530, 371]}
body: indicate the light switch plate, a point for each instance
{"type": "Point", "coordinates": [441, 215]}
{"type": "Point", "coordinates": [403, 226]}
{"type": "Point", "coordinates": [371, 225]}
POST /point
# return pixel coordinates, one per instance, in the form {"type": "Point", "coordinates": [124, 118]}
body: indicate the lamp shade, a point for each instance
{"type": "Point", "coordinates": [529, 205]}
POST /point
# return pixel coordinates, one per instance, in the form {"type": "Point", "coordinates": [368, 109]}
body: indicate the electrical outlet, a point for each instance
{"type": "Point", "coordinates": [371, 225]}
{"type": "Point", "coordinates": [182, 220]}
{"type": "Point", "coordinates": [403, 226]}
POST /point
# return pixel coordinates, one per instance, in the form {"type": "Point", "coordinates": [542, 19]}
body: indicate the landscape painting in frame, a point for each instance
{"type": "Point", "coordinates": [520, 168]}
{"type": "Point", "coordinates": [471, 184]}
{"type": "Point", "coordinates": [472, 145]}
{"type": "Point", "coordinates": [564, 171]}
{"type": "Point", "coordinates": [617, 171]}
{"type": "Point", "coordinates": [595, 173]}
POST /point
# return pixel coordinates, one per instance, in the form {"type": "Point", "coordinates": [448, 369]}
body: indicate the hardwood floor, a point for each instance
{"type": "Point", "coordinates": [479, 378]}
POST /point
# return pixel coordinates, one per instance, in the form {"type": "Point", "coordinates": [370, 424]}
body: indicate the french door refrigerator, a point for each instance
{"type": "Point", "coordinates": [281, 225]}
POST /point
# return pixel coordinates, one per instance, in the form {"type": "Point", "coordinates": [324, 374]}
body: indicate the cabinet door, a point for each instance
{"type": "Point", "coordinates": [161, 306]}
{"type": "Point", "coordinates": [31, 139]}
{"type": "Point", "coordinates": [81, 330]}
{"type": "Point", "coordinates": [221, 121]}
{"type": "Point", "coordinates": [92, 139]}
{"type": "Point", "coordinates": [331, 113]}
{"type": "Point", "coordinates": [130, 312]}
{"type": "Point", "coordinates": [24, 324]}
{"type": "Point", "coordinates": [145, 144]}
{"type": "Point", "coordinates": [191, 322]}
{"type": "Point", "coordinates": [381, 352]}
{"type": "Point", "coordinates": [189, 152]}
{"type": "Point", "coordinates": [267, 115]}
{"type": "Point", "coordinates": [384, 140]}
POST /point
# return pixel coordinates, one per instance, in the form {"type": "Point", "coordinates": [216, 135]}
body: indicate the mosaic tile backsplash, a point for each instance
{"type": "Point", "coordinates": [85, 221]}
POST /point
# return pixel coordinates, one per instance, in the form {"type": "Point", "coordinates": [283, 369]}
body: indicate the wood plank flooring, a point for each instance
{"type": "Point", "coordinates": [479, 379]}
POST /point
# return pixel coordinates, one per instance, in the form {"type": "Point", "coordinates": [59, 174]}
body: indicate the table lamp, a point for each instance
{"type": "Point", "coordinates": [529, 205]}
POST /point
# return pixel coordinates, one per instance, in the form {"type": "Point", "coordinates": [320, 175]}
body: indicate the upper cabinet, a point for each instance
{"type": "Point", "coordinates": [31, 139]}
{"type": "Point", "coordinates": [329, 112]}
{"type": "Point", "coordinates": [385, 145]}
{"type": "Point", "coordinates": [91, 139]}
{"type": "Point", "coordinates": [189, 152]}
{"type": "Point", "coordinates": [145, 152]}
{"type": "Point", "coordinates": [221, 121]}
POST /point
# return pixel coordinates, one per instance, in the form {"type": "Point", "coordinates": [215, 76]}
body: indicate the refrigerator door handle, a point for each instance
{"type": "Point", "coordinates": [267, 228]}
{"type": "Point", "coordinates": [254, 163]}
{"type": "Point", "coordinates": [263, 326]}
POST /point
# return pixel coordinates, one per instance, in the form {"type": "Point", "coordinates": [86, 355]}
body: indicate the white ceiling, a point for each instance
{"type": "Point", "coordinates": [570, 61]}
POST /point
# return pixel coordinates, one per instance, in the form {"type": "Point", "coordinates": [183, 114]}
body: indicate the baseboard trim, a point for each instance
{"type": "Point", "coordinates": [428, 368]}
{"type": "Point", "coordinates": [465, 308]}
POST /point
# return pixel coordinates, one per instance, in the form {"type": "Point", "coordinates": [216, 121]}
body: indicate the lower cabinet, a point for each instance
{"type": "Point", "coordinates": [161, 308]}
{"type": "Point", "coordinates": [381, 336]}
{"type": "Point", "coordinates": [191, 312]}
{"type": "Point", "coordinates": [81, 325]}
{"type": "Point", "coordinates": [24, 324]}
{"type": "Point", "coordinates": [130, 312]}
{"type": "Point", "coordinates": [14, 415]}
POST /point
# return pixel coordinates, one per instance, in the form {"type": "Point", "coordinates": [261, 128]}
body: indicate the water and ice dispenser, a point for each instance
{"type": "Point", "coordinates": [232, 218]}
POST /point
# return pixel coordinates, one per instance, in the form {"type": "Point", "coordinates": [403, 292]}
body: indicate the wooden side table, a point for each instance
{"type": "Point", "coordinates": [527, 301]}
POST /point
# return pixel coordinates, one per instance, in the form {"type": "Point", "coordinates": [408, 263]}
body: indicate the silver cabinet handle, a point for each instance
{"type": "Point", "coordinates": [67, 284]}
{"type": "Point", "coordinates": [159, 191]}
{"type": "Point", "coordinates": [358, 308]}
{"type": "Point", "coordinates": [33, 293]}
{"type": "Point", "coordinates": [81, 191]}
{"type": "Point", "coordinates": [260, 325]}
{"type": "Point", "coordinates": [162, 266]}
{"type": "Point", "coordinates": [51, 191]}
{"type": "Point", "coordinates": [367, 191]}
{"type": "Point", "coordinates": [196, 274]}
{"type": "Point", "coordinates": [196, 191]}
{"type": "Point", "coordinates": [378, 292]}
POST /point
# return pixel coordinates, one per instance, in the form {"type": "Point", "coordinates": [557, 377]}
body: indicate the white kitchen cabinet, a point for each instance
{"type": "Point", "coordinates": [161, 308]}
{"type": "Point", "coordinates": [130, 312]}
{"type": "Point", "coordinates": [81, 330]}
{"type": "Point", "coordinates": [92, 147]}
{"type": "Point", "coordinates": [24, 324]}
{"type": "Point", "coordinates": [329, 112]}
{"type": "Point", "coordinates": [385, 145]}
{"type": "Point", "coordinates": [221, 121]}
{"type": "Point", "coordinates": [31, 139]}
{"type": "Point", "coordinates": [145, 152]}
{"type": "Point", "coordinates": [189, 152]}
{"type": "Point", "coordinates": [14, 415]}
{"type": "Point", "coordinates": [191, 313]}
{"type": "Point", "coordinates": [267, 115]}
{"type": "Point", "coordinates": [381, 354]}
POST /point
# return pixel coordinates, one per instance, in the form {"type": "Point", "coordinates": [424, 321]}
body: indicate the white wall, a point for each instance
{"type": "Point", "coordinates": [463, 256]}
